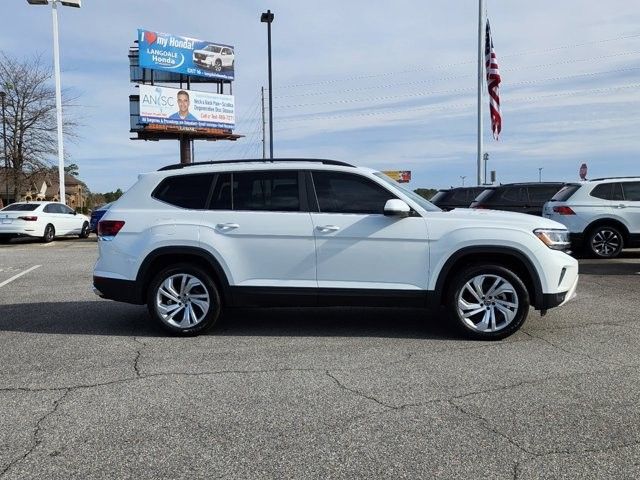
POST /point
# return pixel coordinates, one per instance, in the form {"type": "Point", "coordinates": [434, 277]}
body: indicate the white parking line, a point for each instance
{"type": "Point", "coordinates": [19, 275]}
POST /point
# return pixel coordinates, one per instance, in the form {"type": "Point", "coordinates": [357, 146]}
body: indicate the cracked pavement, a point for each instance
{"type": "Point", "coordinates": [90, 389]}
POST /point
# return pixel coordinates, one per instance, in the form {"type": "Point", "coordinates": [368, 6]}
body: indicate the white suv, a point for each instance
{"type": "Point", "coordinates": [190, 239]}
{"type": "Point", "coordinates": [602, 215]}
{"type": "Point", "coordinates": [215, 57]}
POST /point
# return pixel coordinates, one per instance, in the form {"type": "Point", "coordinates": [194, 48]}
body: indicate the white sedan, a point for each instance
{"type": "Point", "coordinates": [45, 220]}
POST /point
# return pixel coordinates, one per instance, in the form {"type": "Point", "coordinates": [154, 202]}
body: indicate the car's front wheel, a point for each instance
{"type": "Point", "coordinates": [605, 241]}
{"type": "Point", "coordinates": [487, 302]}
{"type": "Point", "coordinates": [184, 299]}
{"type": "Point", "coordinates": [49, 233]}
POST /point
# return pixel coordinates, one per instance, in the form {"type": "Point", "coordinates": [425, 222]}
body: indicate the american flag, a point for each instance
{"type": "Point", "coordinates": [493, 80]}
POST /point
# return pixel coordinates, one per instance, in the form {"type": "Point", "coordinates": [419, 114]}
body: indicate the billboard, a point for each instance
{"type": "Point", "coordinates": [186, 108]}
{"type": "Point", "coordinates": [400, 176]}
{"type": "Point", "coordinates": [189, 56]}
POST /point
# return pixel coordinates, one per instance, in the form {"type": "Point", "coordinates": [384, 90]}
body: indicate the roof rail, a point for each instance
{"type": "Point", "coordinates": [612, 178]}
{"type": "Point", "coordinates": [178, 166]}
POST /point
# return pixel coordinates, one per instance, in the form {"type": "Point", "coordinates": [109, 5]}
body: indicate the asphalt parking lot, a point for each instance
{"type": "Point", "coordinates": [90, 389]}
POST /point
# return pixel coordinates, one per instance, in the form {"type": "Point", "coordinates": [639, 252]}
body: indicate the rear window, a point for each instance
{"type": "Point", "coordinates": [21, 207]}
{"type": "Point", "coordinates": [542, 193]}
{"type": "Point", "coordinates": [565, 193]}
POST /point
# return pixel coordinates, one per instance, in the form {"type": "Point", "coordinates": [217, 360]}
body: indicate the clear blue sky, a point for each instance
{"type": "Point", "coordinates": [390, 85]}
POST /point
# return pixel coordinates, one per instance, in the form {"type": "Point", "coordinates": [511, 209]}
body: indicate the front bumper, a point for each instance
{"type": "Point", "coordinates": [552, 300]}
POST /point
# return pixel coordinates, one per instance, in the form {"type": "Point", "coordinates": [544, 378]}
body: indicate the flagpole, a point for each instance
{"type": "Point", "coordinates": [480, 84]}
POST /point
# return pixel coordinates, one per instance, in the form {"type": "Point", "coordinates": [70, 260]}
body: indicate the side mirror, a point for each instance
{"type": "Point", "coordinates": [396, 208]}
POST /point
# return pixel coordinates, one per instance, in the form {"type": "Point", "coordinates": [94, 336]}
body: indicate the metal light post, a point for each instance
{"type": "Point", "coordinates": [267, 17]}
{"type": "Point", "coordinates": [462, 177]}
{"type": "Point", "coordinates": [540, 174]}
{"type": "Point", "coordinates": [56, 66]}
{"type": "Point", "coordinates": [4, 142]}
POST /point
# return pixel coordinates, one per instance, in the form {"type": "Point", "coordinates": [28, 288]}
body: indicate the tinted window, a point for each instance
{"type": "Point", "coordinates": [186, 191]}
{"type": "Point", "coordinates": [511, 195]}
{"type": "Point", "coordinates": [21, 207]}
{"type": "Point", "coordinates": [347, 193]}
{"type": "Point", "coordinates": [274, 191]}
{"type": "Point", "coordinates": [608, 191]}
{"type": "Point", "coordinates": [565, 193]}
{"type": "Point", "coordinates": [67, 210]}
{"type": "Point", "coordinates": [541, 194]}
{"type": "Point", "coordinates": [631, 191]}
{"type": "Point", "coordinates": [221, 198]}
{"type": "Point", "coordinates": [439, 196]}
{"type": "Point", "coordinates": [460, 196]}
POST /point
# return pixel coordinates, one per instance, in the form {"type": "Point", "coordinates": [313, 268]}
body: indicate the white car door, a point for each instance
{"type": "Point", "coordinates": [259, 224]}
{"type": "Point", "coordinates": [630, 207]}
{"type": "Point", "coordinates": [357, 246]}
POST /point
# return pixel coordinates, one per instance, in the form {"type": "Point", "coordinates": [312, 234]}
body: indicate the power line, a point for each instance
{"type": "Point", "coordinates": [451, 91]}
{"type": "Point", "coordinates": [446, 66]}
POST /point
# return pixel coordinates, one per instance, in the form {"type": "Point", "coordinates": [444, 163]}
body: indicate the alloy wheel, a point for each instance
{"type": "Point", "coordinates": [606, 242]}
{"type": "Point", "coordinates": [487, 303]}
{"type": "Point", "coordinates": [182, 301]}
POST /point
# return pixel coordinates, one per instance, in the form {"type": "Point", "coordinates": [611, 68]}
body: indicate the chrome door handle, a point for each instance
{"type": "Point", "coordinates": [328, 228]}
{"type": "Point", "coordinates": [227, 226]}
{"type": "Point", "coordinates": [622, 205]}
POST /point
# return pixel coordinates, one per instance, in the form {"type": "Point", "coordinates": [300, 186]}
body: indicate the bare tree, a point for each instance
{"type": "Point", "coordinates": [31, 117]}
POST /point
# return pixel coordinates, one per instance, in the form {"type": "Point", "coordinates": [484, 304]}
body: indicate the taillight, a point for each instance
{"type": "Point", "coordinates": [28, 219]}
{"type": "Point", "coordinates": [564, 210]}
{"type": "Point", "coordinates": [109, 228]}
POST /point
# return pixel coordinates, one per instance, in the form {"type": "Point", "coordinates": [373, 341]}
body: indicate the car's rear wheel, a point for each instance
{"type": "Point", "coordinates": [217, 66]}
{"type": "Point", "coordinates": [605, 241]}
{"type": "Point", "coordinates": [84, 233]}
{"type": "Point", "coordinates": [49, 233]}
{"type": "Point", "coordinates": [184, 299]}
{"type": "Point", "coordinates": [487, 302]}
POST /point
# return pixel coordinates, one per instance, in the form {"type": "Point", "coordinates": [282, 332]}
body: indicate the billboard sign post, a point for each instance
{"type": "Point", "coordinates": [185, 55]}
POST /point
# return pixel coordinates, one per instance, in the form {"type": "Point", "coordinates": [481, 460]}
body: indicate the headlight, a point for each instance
{"type": "Point", "coordinates": [555, 239]}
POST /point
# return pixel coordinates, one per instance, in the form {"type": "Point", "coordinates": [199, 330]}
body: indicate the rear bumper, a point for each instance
{"type": "Point", "coordinates": [119, 290]}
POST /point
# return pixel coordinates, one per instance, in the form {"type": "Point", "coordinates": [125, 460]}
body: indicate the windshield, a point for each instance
{"type": "Point", "coordinates": [428, 206]}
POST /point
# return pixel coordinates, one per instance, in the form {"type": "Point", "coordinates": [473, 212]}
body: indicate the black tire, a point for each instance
{"type": "Point", "coordinates": [514, 300]}
{"type": "Point", "coordinates": [604, 241]}
{"type": "Point", "coordinates": [4, 240]}
{"type": "Point", "coordinates": [49, 233]}
{"type": "Point", "coordinates": [202, 286]}
{"type": "Point", "coordinates": [84, 233]}
{"type": "Point", "coordinates": [217, 66]}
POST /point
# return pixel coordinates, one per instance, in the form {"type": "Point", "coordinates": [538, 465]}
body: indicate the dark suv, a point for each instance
{"type": "Point", "coordinates": [518, 197]}
{"type": "Point", "coordinates": [459, 197]}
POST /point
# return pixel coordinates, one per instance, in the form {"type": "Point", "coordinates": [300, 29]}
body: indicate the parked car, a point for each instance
{"type": "Point", "coordinates": [45, 220]}
{"type": "Point", "coordinates": [518, 197]}
{"type": "Point", "coordinates": [602, 215]}
{"type": "Point", "coordinates": [459, 197]}
{"type": "Point", "coordinates": [191, 239]}
{"type": "Point", "coordinates": [96, 215]}
{"type": "Point", "coordinates": [215, 57]}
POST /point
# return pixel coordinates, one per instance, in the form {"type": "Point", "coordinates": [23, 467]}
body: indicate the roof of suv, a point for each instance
{"type": "Point", "coordinates": [262, 161]}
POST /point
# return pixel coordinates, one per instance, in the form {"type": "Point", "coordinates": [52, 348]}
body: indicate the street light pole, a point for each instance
{"type": "Point", "coordinates": [267, 17]}
{"type": "Point", "coordinates": [4, 142]}
{"type": "Point", "coordinates": [463, 177]}
{"type": "Point", "coordinates": [540, 174]}
{"type": "Point", "coordinates": [56, 66]}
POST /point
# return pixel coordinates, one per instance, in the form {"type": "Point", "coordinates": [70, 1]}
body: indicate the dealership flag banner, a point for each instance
{"type": "Point", "coordinates": [493, 81]}
{"type": "Point", "coordinates": [186, 55]}
{"type": "Point", "coordinates": [186, 108]}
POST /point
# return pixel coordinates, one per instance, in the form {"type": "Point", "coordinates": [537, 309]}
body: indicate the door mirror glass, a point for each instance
{"type": "Point", "coordinates": [396, 208]}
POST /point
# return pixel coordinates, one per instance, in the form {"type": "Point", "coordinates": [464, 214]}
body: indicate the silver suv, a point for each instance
{"type": "Point", "coordinates": [602, 215]}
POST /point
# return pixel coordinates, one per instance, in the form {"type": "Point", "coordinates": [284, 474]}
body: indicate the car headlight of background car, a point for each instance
{"type": "Point", "coordinates": [555, 239]}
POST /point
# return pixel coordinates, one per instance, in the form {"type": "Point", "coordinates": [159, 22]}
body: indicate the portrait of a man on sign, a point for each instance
{"type": "Point", "coordinates": [183, 107]}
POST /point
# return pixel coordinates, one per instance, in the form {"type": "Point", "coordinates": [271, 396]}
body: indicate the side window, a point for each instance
{"type": "Point", "coordinates": [67, 210]}
{"type": "Point", "coordinates": [221, 198]}
{"type": "Point", "coordinates": [185, 191]}
{"type": "Point", "coordinates": [513, 195]}
{"type": "Point", "coordinates": [347, 193]}
{"type": "Point", "coordinates": [631, 191]}
{"type": "Point", "coordinates": [49, 209]}
{"type": "Point", "coordinates": [616, 192]}
{"type": "Point", "coordinates": [460, 196]}
{"type": "Point", "coordinates": [275, 191]}
{"type": "Point", "coordinates": [542, 194]}
{"type": "Point", "coordinates": [602, 191]}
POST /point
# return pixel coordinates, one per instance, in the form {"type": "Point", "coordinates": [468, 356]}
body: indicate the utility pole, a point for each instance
{"type": "Point", "coordinates": [264, 123]}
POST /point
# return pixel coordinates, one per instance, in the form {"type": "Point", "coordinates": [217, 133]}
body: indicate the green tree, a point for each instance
{"type": "Point", "coordinates": [72, 169]}
{"type": "Point", "coordinates": [112, 196]}
{"type": "Point", "coordinates": [426, 192]}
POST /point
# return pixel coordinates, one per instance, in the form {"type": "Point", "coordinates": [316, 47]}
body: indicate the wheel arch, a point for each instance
{"type": "Point", "coordinates": [609, 221]}
{"type": "Point", "coordinates": [165, 256]}
{"type": "Point", "coordinates": [502, 256]}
